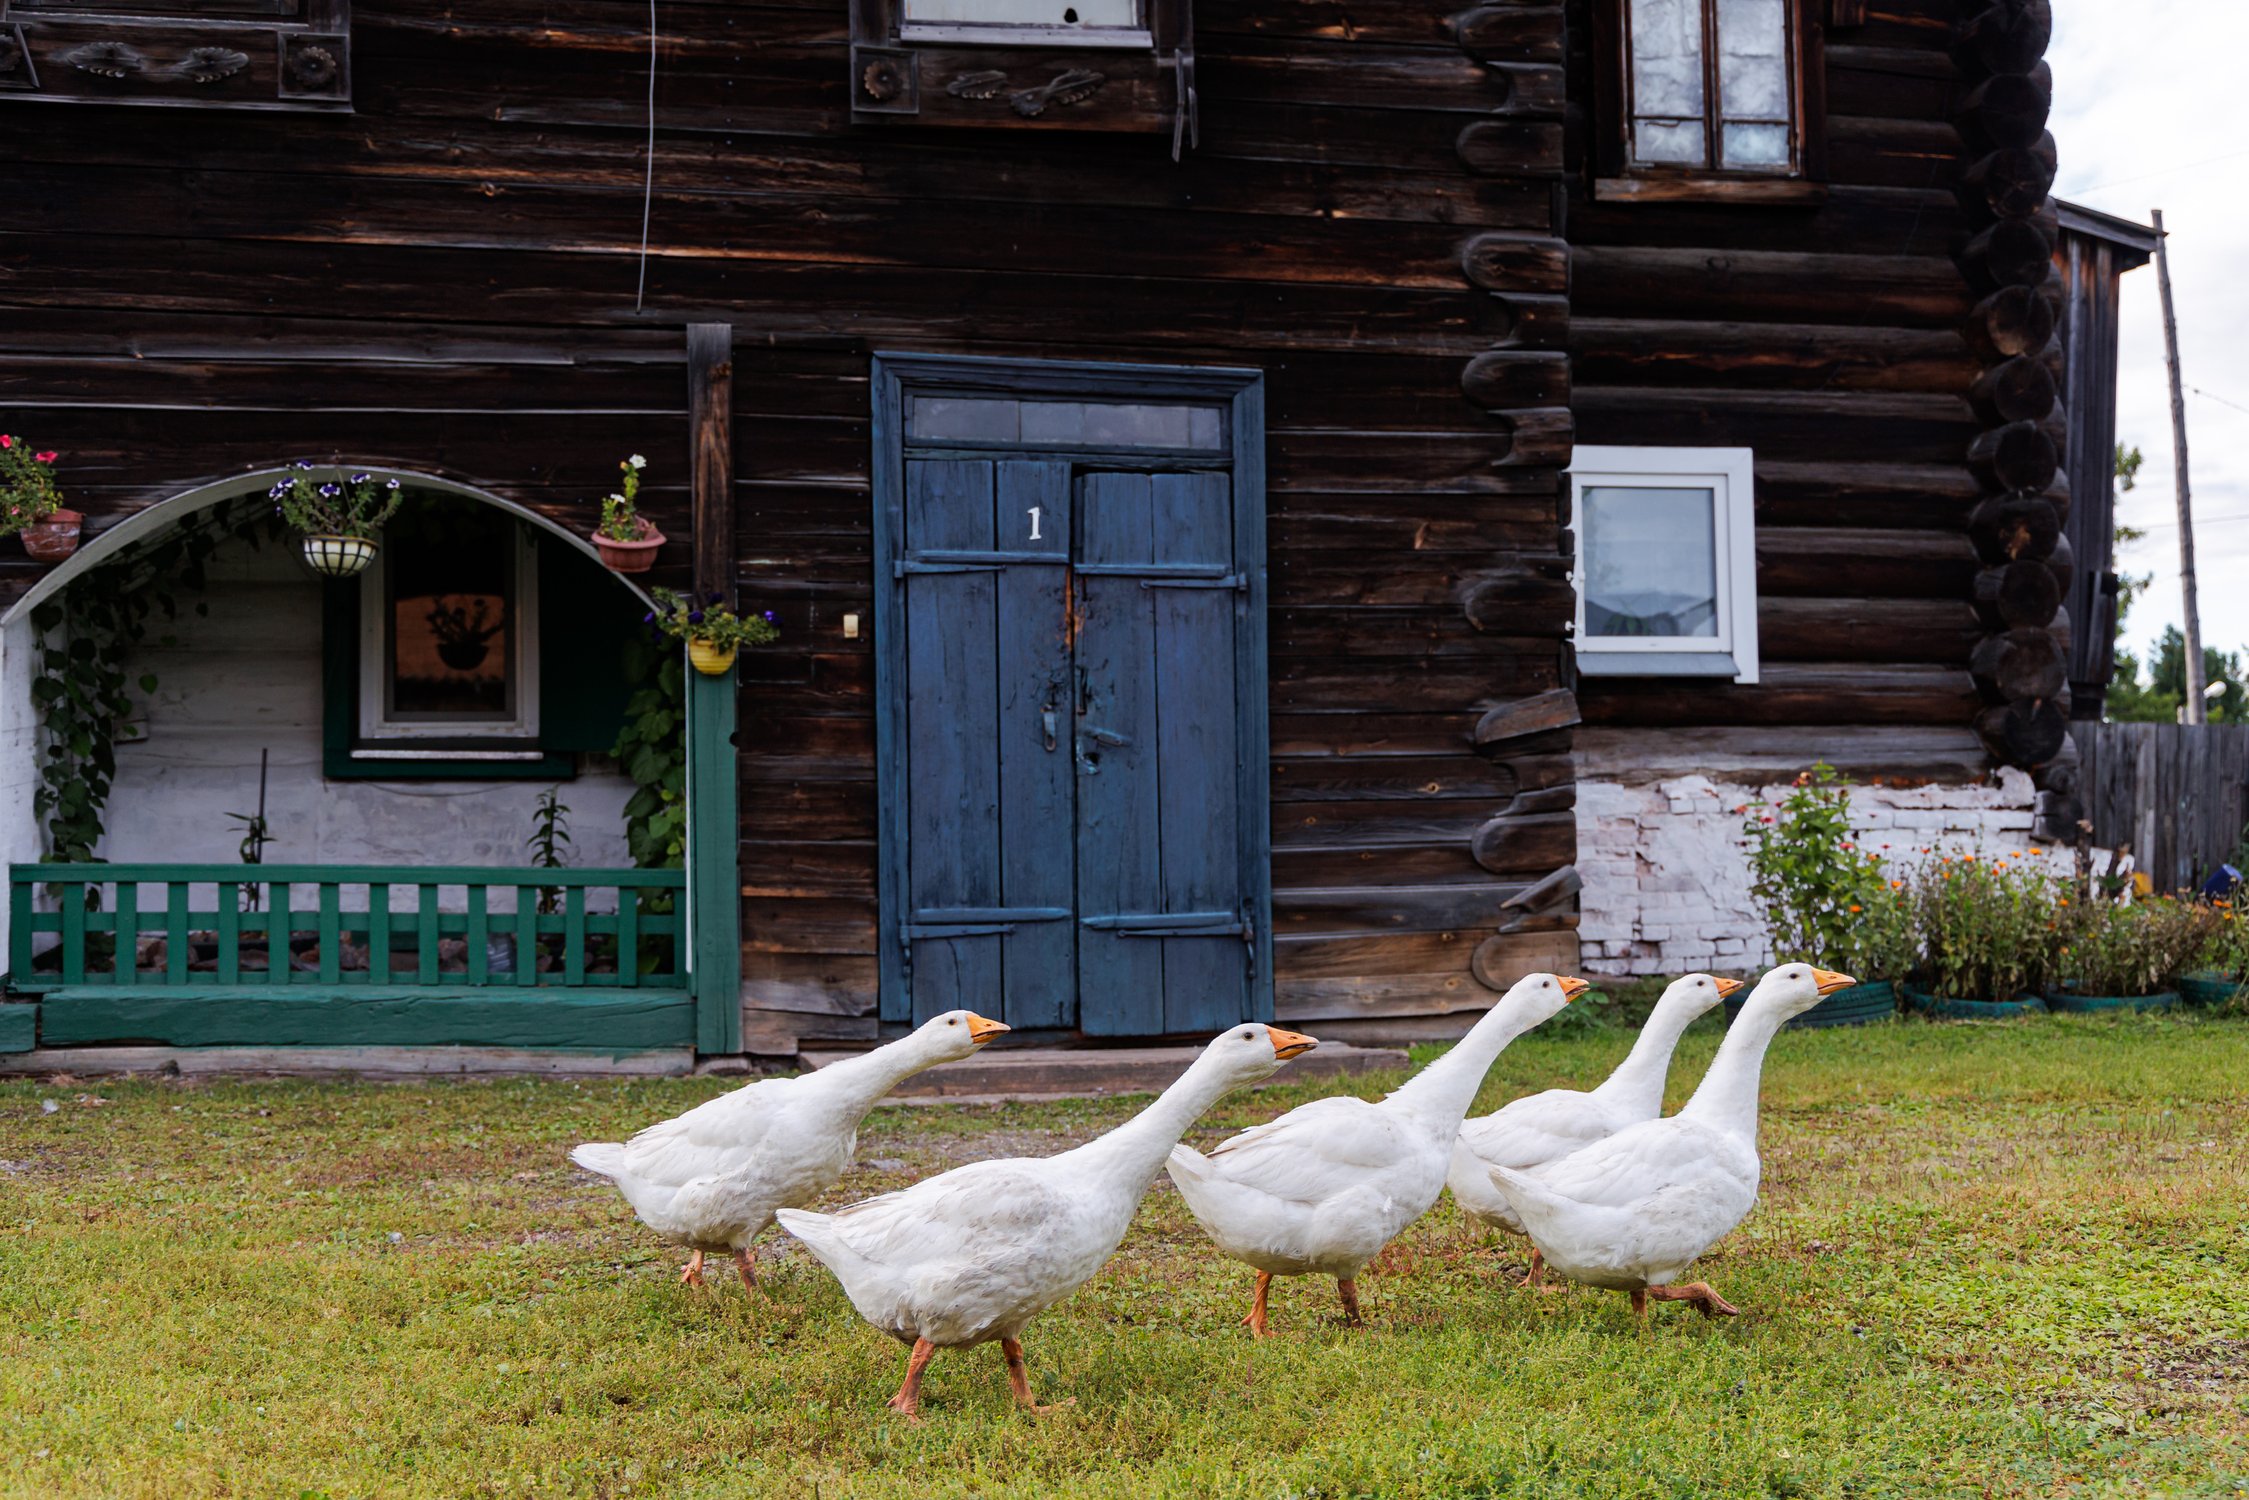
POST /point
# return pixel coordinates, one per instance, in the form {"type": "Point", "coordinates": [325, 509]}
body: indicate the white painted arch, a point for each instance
{"type": "Point", "coordinates": [156, 519]}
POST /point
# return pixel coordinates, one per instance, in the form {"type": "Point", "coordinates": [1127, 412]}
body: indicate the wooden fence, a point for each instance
{"type": "Point", "coordinates": [2178, 794]}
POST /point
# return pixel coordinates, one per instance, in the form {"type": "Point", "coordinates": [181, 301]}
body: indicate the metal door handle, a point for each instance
{"type": "Point", "coordinates": [1046, 720]}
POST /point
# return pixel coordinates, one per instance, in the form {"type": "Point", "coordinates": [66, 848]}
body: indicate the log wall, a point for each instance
{"type": "Point", "coordinates": [447, 280]}
{"type": "Point", "coordinates": [1827, 337]}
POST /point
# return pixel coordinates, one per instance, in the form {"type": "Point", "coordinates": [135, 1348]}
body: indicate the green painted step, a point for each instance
{"type": "Point", "coordinates": [365, 1016]}
{"type": "Point", "coordinates": [19, 1028]}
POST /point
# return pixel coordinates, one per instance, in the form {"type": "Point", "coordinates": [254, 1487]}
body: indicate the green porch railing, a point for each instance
{"type": "Point", "coordinates": [341, 925]}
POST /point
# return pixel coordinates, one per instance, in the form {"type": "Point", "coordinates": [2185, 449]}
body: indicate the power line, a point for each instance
{"type": "Point", "coordinates": [2214, 396]}
{"type": "Point", "coordinates": [2185, 166]}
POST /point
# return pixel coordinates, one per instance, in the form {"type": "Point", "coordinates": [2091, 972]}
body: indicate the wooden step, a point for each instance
{"type": "Point", "coordinates": [1099, 1072]}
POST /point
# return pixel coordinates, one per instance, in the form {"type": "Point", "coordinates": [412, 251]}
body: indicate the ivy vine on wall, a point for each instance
{"type": "Point", "coordinates": [652, 748]}
{"type": "Point", "coordinates": [82, 637]}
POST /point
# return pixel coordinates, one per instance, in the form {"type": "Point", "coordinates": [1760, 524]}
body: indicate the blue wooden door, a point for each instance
{"type": "Point", "coordinates": [1166, 921]}
{"type": "Point", "coordinates": [1071, 749]}
{"type": "Point", "coordinates": [988, 919]}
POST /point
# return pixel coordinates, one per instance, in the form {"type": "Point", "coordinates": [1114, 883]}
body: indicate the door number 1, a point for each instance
{"type": "Point", "coordinates": [1035, 523]}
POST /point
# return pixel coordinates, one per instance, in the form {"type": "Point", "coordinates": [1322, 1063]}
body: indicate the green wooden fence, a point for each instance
{"type": "Point", "coordinates": [336, 926]}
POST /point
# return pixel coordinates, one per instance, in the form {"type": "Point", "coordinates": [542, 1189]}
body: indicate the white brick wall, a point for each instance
{"type": "Point", "coordinates": [1667, 883]}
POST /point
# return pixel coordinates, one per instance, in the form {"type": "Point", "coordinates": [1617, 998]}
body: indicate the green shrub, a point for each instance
{"type": "Point", "coordinates": [1988, 928]}
{"type": "Point", "coordinates": [1825, 899]}
{"type": "Point", "coordinates": [2111, 949]}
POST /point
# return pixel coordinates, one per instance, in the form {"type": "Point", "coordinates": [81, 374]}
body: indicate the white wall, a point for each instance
{"type": "Point", "coordinates": [1667, 879]}
{"type": "Point", "coordinates": [247, 677]}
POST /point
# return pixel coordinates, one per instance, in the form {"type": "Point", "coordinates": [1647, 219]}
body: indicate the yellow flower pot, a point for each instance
{"type": "Point", "coordinates": [710, 660]}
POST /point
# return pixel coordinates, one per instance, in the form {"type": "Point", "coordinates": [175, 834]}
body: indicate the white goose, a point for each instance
{"type": "Point", "coordinates": [972, 1255]}
{"type": "Point", "coordinates": [1634, 1211]}
{"type": "Point", "coordinates": [1322, 1189]}
{"type": "Point", "coordinates": [1540, 1128]}
{"type": "Point", "coordinates": [711, 1178]}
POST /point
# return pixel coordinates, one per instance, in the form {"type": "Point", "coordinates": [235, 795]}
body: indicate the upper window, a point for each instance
{"type": "Point", "coordinates": [1666, 562]}
{"type": "Point", "coordinates": [1026, 22]}
{"type": "Point", "coordinates": [1708, 98]}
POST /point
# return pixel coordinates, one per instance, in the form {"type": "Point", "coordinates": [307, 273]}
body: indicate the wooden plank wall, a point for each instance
{"type": "Point", "coordinates": [2177, 794]}
{"type": "Point", "coordinates": [1825, 337]}
{"type": "Point", "coordinates": [445, 280]}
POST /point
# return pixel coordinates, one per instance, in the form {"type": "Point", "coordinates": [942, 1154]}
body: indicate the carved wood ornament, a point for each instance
{"type": "Point", "coordinates": [1058, 77]}
{"type": "Point", "coordinates": [291, 55]}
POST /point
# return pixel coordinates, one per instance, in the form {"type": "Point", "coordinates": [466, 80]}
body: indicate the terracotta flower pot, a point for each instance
{"type": "Point", "coordinates": [55, 538]}
{"type": "Point", "coordinates": [630, 557]}
{"type": "Point", "coordinates": [710, 660]}
{"type": "Point", "coordinates": [338, 556]}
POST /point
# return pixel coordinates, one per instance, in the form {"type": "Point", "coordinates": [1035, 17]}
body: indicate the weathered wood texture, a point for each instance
{"type": "Point", "coordinates": [1825, 336]}
{"type": "Point", "coordinates": [2178, 794]}
{"type": "Point", "coordinates": [445, 280]}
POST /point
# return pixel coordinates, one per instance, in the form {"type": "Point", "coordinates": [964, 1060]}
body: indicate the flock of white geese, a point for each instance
{"type": "Point", "coordinates": [1610, 1192]}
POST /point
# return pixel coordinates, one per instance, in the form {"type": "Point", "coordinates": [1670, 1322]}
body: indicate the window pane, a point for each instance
{"type": "Point", "coordinates": [963, 419]}
{"type": "Point", "coordinates": [1651, 561]}
{"type": "Point", "coordinates": [1671, 142]}
{"type": "Point", "coordinates": [449, 570]}
{"type": "Point", "coordinates": [1752, 60]}
{"type": "Point", "coordinates": [1023, 12]}
{"type": "Point", "coordinates": [1667, 57]}
{"type": "Point", "coordinates": [1756, 145]}
{"type": "Point", "coordinates": [1078, 424]}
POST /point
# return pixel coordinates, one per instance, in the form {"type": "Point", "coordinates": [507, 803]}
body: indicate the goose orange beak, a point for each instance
{"type": "Point", "coordinates": [1288, 1044]}
{"type": "Point", "coordinates": [981, 1030]}
{"type": "Point", "coordinates": [1726, 986]}
{"type": "Point", "coordinates": [1572, 986]}
{"type": "Point", "coordinates": [1829, 981]}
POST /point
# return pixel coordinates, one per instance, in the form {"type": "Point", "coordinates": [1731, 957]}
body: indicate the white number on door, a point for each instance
{"type": "Point", "coordinates": [1035, 523]}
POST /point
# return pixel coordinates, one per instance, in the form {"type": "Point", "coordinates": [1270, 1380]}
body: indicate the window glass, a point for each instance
{"type": "Point", "coordinates": [1070, 424]}
{"type": "Point", "coordinates": [450, 614]}
{"type": "Point", "coordinates": [1670, 46]}
{"type": "Point", "coordinates": [1667, 101]}
{"type": "Point", "coordinates": [1113, 13]}
{"type": "Point", "coordinates": [1650, 561]}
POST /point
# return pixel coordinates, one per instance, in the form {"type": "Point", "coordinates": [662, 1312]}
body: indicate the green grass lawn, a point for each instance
{"type": "Point", "coordinates": [2003, 1259]}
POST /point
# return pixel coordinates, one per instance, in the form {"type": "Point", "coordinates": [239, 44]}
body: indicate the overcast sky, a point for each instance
{"type": "Point", "coordinates": [2140, 91]}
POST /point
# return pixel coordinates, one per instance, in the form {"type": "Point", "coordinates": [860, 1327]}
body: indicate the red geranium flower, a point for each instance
{"type": "Point", "coordinates": [6, 441]}
{"type": "Point", "coordinates": [47, 457]}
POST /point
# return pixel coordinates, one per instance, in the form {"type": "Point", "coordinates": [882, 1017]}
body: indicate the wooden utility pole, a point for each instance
{"type": "Point", "coordinates": [2195, 709]}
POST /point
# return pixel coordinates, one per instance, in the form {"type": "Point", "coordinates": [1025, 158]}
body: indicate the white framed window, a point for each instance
{"type": "Point", "coordinates": [448, 637]}
{"type": "Point", "coordinates": [1026, 23]}
{"type": "Point", "coordinates": [1666, 562]}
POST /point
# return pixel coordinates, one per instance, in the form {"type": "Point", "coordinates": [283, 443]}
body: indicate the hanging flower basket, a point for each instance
{"type": "Point", "coordinates": [31, 505]}
{"type": "Point", "coordinates": [626, 539]}
{"type": "Point", "coordinates": [338, 556]}
{"type": "Point", "coordinates": [55, 538]}
{"type": "Point", "coordinates": [635, 556]}
{"type": "Point", "coordinates": [710, 658]}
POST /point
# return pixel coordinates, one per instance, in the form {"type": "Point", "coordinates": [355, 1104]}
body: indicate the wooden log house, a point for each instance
{"type": "Point", "coordinates": [1150, 423]}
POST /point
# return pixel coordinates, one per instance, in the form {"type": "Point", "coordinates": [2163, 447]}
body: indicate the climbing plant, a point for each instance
{"type": "Point", "coordinates": [652, 748]}
{"type": "Point", "coordinates": [79, 688]}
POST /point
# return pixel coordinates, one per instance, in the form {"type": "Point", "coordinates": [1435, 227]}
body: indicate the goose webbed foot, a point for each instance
{"type": "Point", "coordinates": [1019, 1381]}
{"type": "Point", "coordinates": [1255, 1322]}
{"type": "Point", "coordinates": [692, 1273]}
{"type": "Point", "coordinates": [1347, 1288]}
{"type": "Point", "coordinates": [1700, 1293]}
{"type": "Point", "coordinates": [907, 1403]}
{"type": "Point", "coordinates": [1536, 1280]}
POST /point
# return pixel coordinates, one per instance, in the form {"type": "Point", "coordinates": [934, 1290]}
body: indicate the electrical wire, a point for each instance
{"type": "Point", "coordinates": [648, 184]}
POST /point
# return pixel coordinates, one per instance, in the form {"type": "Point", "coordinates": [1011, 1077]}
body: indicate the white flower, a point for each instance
{"type": "Point", "coordinates": [637, 461]}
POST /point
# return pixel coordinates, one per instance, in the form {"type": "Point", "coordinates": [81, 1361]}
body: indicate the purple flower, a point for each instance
{"type": "Point", "coordinates": [330, 490]}
{"type": "Point", "coordinates": [770, 617]}
{"type": "Point", "coordinates": [649, 618]}
{"type": "Point", "coordinates": [694, 617]}
{"type": "Point", "coordinates": [390, 484]}
{"type": "Point", "coordinates": [716, 598]}
{"type": "Point", "coordinates": [361, 478]}
{"type": "Point", "coordinates": [304, 463]}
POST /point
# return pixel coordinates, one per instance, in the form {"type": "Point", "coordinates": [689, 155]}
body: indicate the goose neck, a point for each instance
{"type": "Point", "coordinates": [1636, 1087]}
{"type": "Point", "coordinates": [1727, 1095]}
{"type": "Point", "coordinates": [1442, 1092]}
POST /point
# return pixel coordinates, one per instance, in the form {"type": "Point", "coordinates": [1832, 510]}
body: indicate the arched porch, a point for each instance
{"type": "Point", "coordinates": [396, 905]}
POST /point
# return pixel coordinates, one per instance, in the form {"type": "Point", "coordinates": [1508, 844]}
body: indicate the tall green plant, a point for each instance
{"type": "Point", "coordinates": [1988, 927]}
{"type": "Point", "coordinates": [1824, 896]}
{"type": "Point", "coordinates": [2136, 949]}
